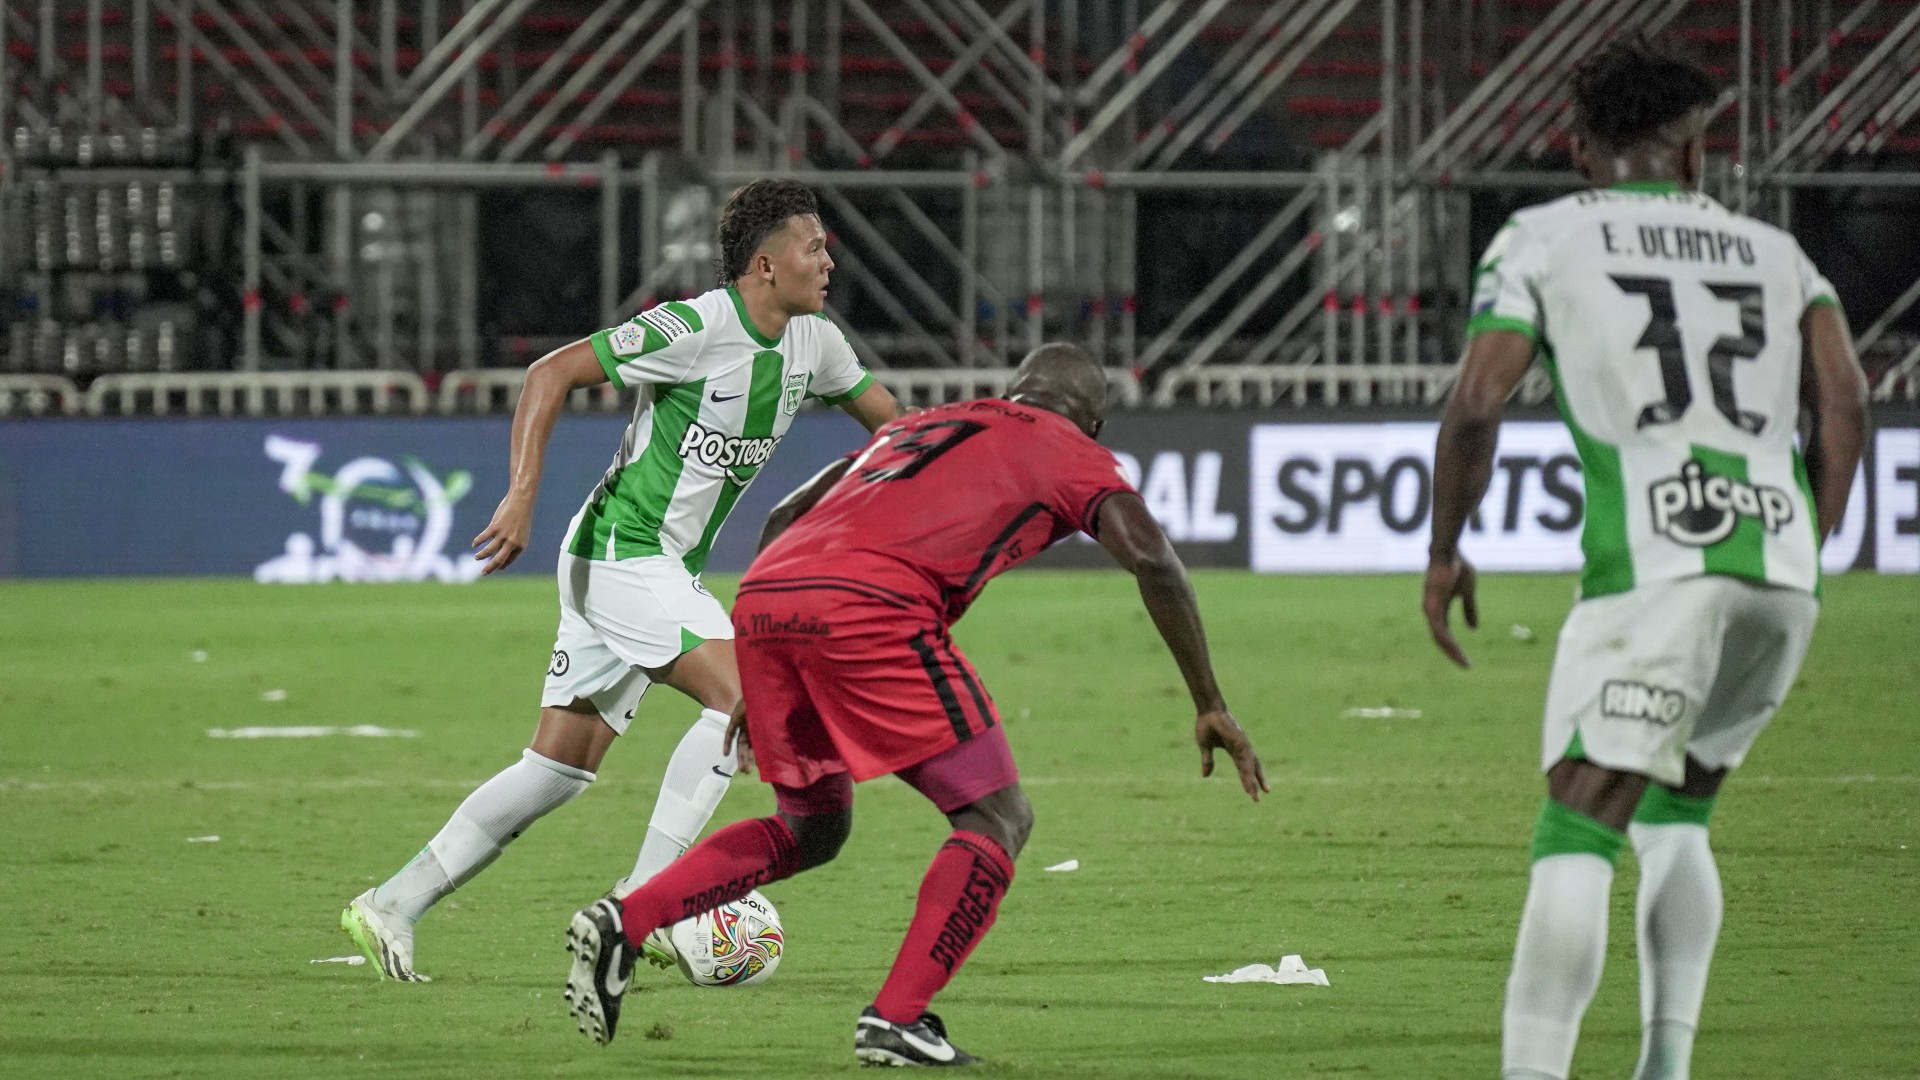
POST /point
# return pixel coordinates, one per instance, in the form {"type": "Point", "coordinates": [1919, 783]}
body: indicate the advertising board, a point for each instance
{"type": "Point", "coordinates": [392, 499]}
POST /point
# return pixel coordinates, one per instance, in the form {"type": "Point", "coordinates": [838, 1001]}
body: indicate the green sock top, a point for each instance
{"type": "Point", "coordinates": [1563, 830]}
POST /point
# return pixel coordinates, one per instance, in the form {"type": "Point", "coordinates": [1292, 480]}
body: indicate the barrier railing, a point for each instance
{"type": "Point", "coordinates": [37, 395]}
{"type": "Point", "coordinates": [938, 387]}
{"type": "Point", "coordinates": [498, 390]}
{"type": "Point", "coordinates": [347, 393]}
{"type": "Point", "coordinates": [258, 393]}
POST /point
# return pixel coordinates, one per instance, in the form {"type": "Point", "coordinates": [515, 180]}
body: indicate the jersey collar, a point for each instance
{"type": "Point", "coordinates": [746, 321]}
{"type": "Point", "coordinates": [1648, 187]}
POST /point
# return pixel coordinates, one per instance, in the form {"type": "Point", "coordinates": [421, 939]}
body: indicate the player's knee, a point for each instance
{"type": "Point", "coordinates": [1019, 823]}
{"type": "Point", "coordinates": [1006, 816]}
{"type": "Point", "coordinates": [820, 836]}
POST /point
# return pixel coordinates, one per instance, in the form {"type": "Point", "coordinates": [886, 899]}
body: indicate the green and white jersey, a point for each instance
{"type": "Point", "coordinates": [715, 399]}
{"type": "Point", "coordinates": [1671, 327]}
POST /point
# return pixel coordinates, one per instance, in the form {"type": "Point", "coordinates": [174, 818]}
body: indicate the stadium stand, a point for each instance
{"type": "Point", "coordinates": [1230, 200]}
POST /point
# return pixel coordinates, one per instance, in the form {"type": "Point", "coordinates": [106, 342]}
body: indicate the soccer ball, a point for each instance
{"type": "Point", "coordinates": [737, 944]}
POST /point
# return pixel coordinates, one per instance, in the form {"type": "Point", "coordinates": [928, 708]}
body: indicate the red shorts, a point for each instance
{"type": "Point", "coordinates": [841, 679]}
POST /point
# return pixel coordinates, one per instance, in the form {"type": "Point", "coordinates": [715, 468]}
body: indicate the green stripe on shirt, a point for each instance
{"type": "Point", "coordinates": [1607, 556]}
{"type": "Point", "coordinates": [763, 405]}
{"type": "Point", "coordinates": [645, 491]}
{"type": "Point", "coordinates": [1743, 553]}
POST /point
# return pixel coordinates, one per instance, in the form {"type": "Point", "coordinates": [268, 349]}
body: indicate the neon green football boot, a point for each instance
{"type": "Point", "coordinates": [383, 940]}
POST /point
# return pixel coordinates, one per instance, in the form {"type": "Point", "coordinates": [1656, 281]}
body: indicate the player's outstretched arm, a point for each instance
{"type": "Point", "coordinates": [1140, 546]}
{"type": "Point", "coordinates": [549, 381]}
{"type": "Point", "coordinates": [1462, 467]}
{"type": "Point", "coordinates": [800, 500]}
{"type": "Point", "coordinates": [1834, 391]}
{"type": "Point", "coordinates": [875, 406]}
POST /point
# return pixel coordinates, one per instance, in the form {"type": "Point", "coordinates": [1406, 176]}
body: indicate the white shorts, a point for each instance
{"type": "Point", "coordinates": [617, 617]}
{"type": "Point", "coordinates": [1677, 669]}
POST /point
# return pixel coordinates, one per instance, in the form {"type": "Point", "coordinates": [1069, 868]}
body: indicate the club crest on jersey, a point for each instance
{"type": "Point", "coordinates": [741, 458]}
{"type": "Point", "coordinates": [1699, 509]}
{"type": "Point", "coordinates": [1626, 700]}
{"type": "Point", "coordinates": [794, 394]}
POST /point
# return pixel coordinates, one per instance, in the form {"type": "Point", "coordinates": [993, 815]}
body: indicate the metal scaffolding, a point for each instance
{"type": "Point", "coordinates": [1229, 200]}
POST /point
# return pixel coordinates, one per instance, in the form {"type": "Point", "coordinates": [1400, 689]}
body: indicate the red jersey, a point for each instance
{"type": "Point", "coordinates": [942, 501]}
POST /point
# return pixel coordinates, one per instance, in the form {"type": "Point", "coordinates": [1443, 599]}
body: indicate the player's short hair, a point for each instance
{"type": "Point", "coordinates": [754, 213]}
{"type": "Point", "coordinates": [1625, 93]}
{"type": "Point", "coordinates": [1067, 366]}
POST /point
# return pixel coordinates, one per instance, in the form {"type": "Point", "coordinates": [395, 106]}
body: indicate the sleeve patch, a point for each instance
{"type": "Point", "coordinates": [670, 325]}
{"type": "Point", "coordinates": [627, 339]}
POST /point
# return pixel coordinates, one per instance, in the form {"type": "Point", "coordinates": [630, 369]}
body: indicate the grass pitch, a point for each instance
{"type": "Point", "coordinates": [1391, 852]}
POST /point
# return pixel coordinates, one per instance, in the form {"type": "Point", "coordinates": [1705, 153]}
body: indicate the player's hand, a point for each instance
{"type": "Point", "coordinates": [1217, 730]}
{"type": "Point", "coordinates": [505, 537]}
{"type": "Point", "coordinates": [1445, 581]}
{"type": "Point", "coordinates": [736, 737]}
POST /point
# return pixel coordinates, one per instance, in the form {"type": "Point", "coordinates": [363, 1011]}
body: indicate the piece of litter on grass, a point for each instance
{"type": "Point", "coordinates": [273, 695]}
{"type": "Point", "coordinates": [1381, 712]}
{"type": "Point", "coordinates": [198, 656]}
{"type": "Point", "coordinates": [1521, 633]}
{"type": "Point", "coordinates": [350, 961]}
{"type": "Point", "coordinates": [1064, 867]}
{"type": "Point", "coordinates": [203, 839]}
{"type": "Point", "coordinates": [312, 731]}
{"type": "Point", "coordinates": [1292, 971]}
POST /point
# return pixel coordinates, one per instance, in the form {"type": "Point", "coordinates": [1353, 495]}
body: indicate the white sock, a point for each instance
{"type": "Point", "coordinates": [696, 780]}
{"type": "Point", "coordinates": [1556, 965]}
{"type": "Point", "coordinates": [1678, 920]}
{"type": "Point", "coordinates": [495, 814]}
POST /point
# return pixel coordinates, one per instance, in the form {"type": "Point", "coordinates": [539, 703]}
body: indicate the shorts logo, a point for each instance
{"type": "Point", "coordinates": [701, 588]}
{"type": "Point", "coordinates": [741, 458]}
{"type": "Point", "coordinates": [1699, 509]}
{"type": "Point", "coordinates": [794, 394]}
{"type": "Point", "coordinates": [1624, 700]}
{"type": "Point", "coordinates": [560, 663]}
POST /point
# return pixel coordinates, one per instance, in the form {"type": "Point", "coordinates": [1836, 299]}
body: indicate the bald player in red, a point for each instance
{"type": "Point", "coordinates": [848, 673]}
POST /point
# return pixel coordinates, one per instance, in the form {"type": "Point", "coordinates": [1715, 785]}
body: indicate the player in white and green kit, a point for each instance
{"type": "Point", "coordinates": [720, 378]}
{"type": "Point", "coordinates": [1684, 341]}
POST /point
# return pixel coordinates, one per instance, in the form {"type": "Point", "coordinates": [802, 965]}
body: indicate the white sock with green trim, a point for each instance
{"type": "Point", "coordinates": [695, 781]}
{"type": "Point", "coordinates": [1678, 921]}
{"type": "Point", "coordinates": [488, 820]}
{"type": "Point", "coordinates": [1556, 965]}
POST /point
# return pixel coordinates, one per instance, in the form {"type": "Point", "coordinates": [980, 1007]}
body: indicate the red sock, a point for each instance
{"type": "Point", "coordinates": [958, 899]}
{"type": "Point", "coordinates": [725, 866]}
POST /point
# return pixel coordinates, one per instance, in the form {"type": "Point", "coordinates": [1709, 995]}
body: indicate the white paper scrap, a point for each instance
{"type": "Point", "coordinates": [198, 656]}
{"type": "Point", "coordinates": [1521, 633]}
{"type": "Point", "coordinates": [1066, 867]}
{"type": "Point", "coordinates": [1382, 712]}
{"type": "Point", "coordinates": [273, 695]}
{"type": "Point", "coordinates": [350, 961]}
{"type": "Point", "coordinates": [364, 731]}
{"type": "Point", "coordinates": [203, 839]}
{"type": "Point", "coordinates": [1292, 971]}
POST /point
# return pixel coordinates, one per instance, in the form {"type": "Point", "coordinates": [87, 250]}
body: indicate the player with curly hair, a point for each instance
{"type": "Point", "coordinates": [720, 378]}
{"type": "Point", "coordinates": [1684, 341]}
